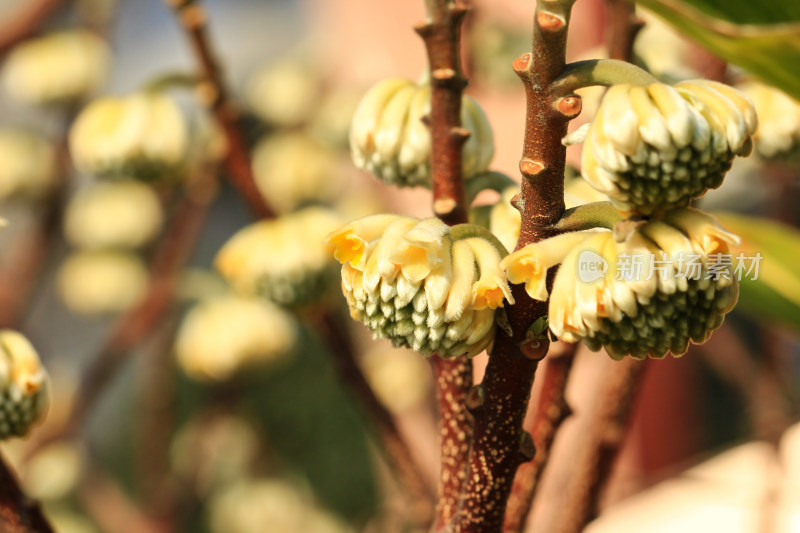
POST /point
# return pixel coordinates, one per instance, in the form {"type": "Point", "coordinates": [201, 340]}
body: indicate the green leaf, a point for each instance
{"type": "Point", "coordinates": [775, 295]}
{"type": "Point", "coordinates": [761, 37]}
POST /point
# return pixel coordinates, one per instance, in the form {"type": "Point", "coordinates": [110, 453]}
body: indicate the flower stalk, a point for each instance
{"type": "Point", "coordinates": [500, 445]}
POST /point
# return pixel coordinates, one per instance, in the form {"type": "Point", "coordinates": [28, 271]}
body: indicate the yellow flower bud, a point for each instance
{"type": "Point", "coordinates": [142, 136]}
{"type": "Point", "coordinates": [400, 378]}
{"type": "Point", "coordinates": [99, 282]}
{"type": "Point", "coordinates": [57, 68]}
{"type": "Point", "coordinates": [655, 148]}
{"type": "Point", "coordinates": [389, 139]}
{"type": "Point", "coordinates": [504, 219]}
{"type": "Point", "coordinates": [124, 214]}
{"type": "Point", "coordinates": [23, 385]}
{"type": "Point", "coordinates": [292, 169]}
{"type": "Point", "coordinates": [283, 260]}
{"type": "Point", "coordinates": [28, 165]}
{"type": "Point", "coordinates": [285, 93]}
{"type": "Point", "coordinates": [410, 282]}
{"type": "Point", "coordinates": [227, 336]}
{"type": "Point", "coordinates": [274, 505]}
{"type": "Point", "coordinates": [665, 284]}
{"type": "Point", "coordinates": [778, 134]}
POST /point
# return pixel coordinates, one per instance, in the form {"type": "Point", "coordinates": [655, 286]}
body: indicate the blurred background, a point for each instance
{"type": "Point", "coordinates": [150, 429]}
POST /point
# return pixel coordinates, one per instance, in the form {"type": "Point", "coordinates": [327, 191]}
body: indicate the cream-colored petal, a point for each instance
{"type": "Point", "coordinates": [464, 272]}
{"type": "Point", "coordinates": [530, 264]}
{"type": "Point", "coordinates": [349, 243]}
{"type": "Point", "coordinates": [389, 133]}
{"type": "Point", "coordinates": [619, 121]}
{"type": "Point", "coordinates": [652, 126]}
{"type": "Point", "coordinates": [674, 109]}
{"type": "Point", "coordinates": [491, 288]}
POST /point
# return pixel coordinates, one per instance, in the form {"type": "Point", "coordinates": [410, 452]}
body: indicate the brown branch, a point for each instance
{"type": "Point", "coordinates": [453, 383]}
{"type": "Point", "coordinates": [18, 513]}
{"type": "Point", "coordinates": [500, 445]}
{"type": "Point", "coordinates": [610, 423]}
{"type": "Point", "coordinates": [26, 22]}
{"type": "Point", "coordinates": [551, 411]}
{"type": "Point", "coordinates": [135, 325]}
{"type": "Point", "coordinates": [622, 26]}
{"type": "Point", "coordinates": [111, 508]}
{"type": "Point", "coordinates": [191, 15]}
{"type": "Point", "coordinates": [192, 18]}
{"type": "Point", "coordinates": [334, 333]}
{"type": "Point", "coordinates": [156, 423]}
{"type": "Point", "coordinates": [441, 34]}
{"type": "Point", "coordinates": [28, 257]}
{"type": "Point", "coordinates": [604, 440]}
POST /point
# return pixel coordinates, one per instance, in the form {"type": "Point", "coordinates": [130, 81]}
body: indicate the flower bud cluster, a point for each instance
{"type": "Point", "coordinates": [23, 385]}
{"type": "Point", "coordinates": [226, 336]}
{"type": "Point", "coordinates": [62, 67]}
{"type": "Point", "coordinates": [778, 134]}
{"type": "Point", "coordinates": [414, 282]}
{"type": "Point", "coordinates": [389, 138]}
{"type": "Point", "coordinates": [143, 136]}
{"type": "Point", "coordinates": [28, 166]}
{"type": "Point", "coordinates": [283, 260]}
{"type": "Point", "coordinates": [655, 148]}
{"type": "Point", "coordinates": [651, 291]}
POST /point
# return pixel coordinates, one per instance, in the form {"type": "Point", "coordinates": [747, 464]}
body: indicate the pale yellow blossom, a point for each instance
{"type": "Point", "coordinates": [409, 281]}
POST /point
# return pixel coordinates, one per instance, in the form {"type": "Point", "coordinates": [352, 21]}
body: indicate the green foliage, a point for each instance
{"type": "Point", "coordinates": [312, 424]}
{"type": "Point", "coordinates": [761, 37]}
{"type": "Point", "coordinates": [775, 296]}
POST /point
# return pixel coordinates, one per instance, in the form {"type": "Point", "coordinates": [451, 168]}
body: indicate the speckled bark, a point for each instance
{"type": "Point", "coordinates": [551, 411]}
{"type": "Point", "coordinates": [441, 33]}
{"type": "Point", "coordinates": [453, 383]}
{"type": "Point", "coordinates": [500, 445]}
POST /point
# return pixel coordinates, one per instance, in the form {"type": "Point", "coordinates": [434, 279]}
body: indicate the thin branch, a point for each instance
{"type": "Point", "coordinates": [111, 508]}
{"type": "Point", "coordinates": [441, 34]}
{"type": "Point", "coordinates": [622, 26]}
{"type": "Point", "coordinates": [135, 325]}
{"type": "Point", "coordinates": [500, 444]}
{"type": "Point", "coordinates": [26, 22]}
{"type": "Point", "coordinates": [18, 513]}
{"type": "Point", "coordinates": [30, 253]}
{"type": "Point", "coordinates": [333, 332]}
{"type": "Point", "coordinates": [610, 423]}
{"type": "Point", "coordinates": [604, 439]}
{"type": "Point", "coordinates": [551, 411]}
{"type": "Point", "coordinates": [191, 15]}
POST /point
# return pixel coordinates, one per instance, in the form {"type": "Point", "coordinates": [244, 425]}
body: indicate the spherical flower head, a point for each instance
{"type": "Point", "coordinates": [23, 385]}
{"type": "Point", "coordinates": [655, 148]}
{"type": "Point", "coordinates": [28, 166]}
{"type": "Point", "coordinates": [58, 68]}
{"type": "Point", "coordinates": [389, 139]}
{"type": "Point", "coordinates": [142, 136]}
{"type": "Point", "coordinates": [284, 260]}
{"type": "Point", "coordinates": [227, 336]}
{"type": "Point", "coordinates": [292, 169]}
{"type": "Point", "coordinates": [269, 504]}
{"type": "Point", "coordinates": [113, 215]}
{"type": "Point", "coordinates": [102, 281]}
{"type": "Point", "coordinates": [414, 282]}
{"type": "Point", "coordinates": [284, 94]}
{"type": "Point", "coordinates": [653, 290]}
{"type": "Point", "coordinates": [778, 134]}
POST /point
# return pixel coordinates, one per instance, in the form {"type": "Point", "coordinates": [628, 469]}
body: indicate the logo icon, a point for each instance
{"type": "Point", "coordinates": [591, 266]}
